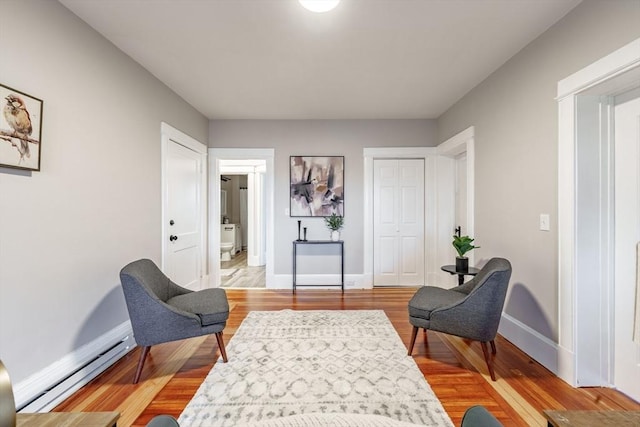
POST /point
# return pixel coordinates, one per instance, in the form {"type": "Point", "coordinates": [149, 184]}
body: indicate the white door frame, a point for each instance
{"type": "Point", "coordinates": [585, 239]}
{"type": "Point", "coordinates": [169, 133]}
{"type": "Point", "coordinates": [215, 155]}
{"type": "Point", "coordinates": [463, 142]}
{"type": "Point", "coordinates": [438, 199]}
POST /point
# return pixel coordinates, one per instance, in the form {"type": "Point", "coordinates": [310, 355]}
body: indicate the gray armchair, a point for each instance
{"type": "Point", "coordinates": [472, 310]}
{"type": "Point", "coordinates": [162, 311]}
{"type": "Point", "coordinates": [479, 416]}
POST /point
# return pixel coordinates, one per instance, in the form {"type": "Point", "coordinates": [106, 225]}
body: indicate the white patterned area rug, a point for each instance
{"type": "Point", "coordinates": [286, 367]}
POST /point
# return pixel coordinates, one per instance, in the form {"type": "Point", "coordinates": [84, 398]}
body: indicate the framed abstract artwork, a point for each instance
{"type": "Point", "coordinates": [20, 129]}
{"type": "Point", "coordinates": [316, 186]}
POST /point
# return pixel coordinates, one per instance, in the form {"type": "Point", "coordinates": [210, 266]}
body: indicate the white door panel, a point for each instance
{"type": "Point", "coordinates": [398, 222]}
{"type": "Point", "coordinates": [184, 210]}
{"type": "Point", "coordinates": [408, 258]}
{"type": "Point", "coordinates": [627, 236]}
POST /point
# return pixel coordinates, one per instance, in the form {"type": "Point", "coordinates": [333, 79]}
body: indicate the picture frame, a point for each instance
{"type": "Point", "coordinates": [20, 129]}
{"type": "Point", "coordinates": [316, 186]}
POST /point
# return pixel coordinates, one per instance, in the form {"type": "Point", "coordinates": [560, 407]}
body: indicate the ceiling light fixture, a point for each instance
{"type": "Point", "coordinates": [319, 6]}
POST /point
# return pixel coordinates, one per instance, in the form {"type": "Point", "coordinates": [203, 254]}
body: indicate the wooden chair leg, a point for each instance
{"type": "Point", "coordinates": [221, 346]}
{"type": "Point", "coordinates": [487, 358]}
{"type": "Point", "coordinates": [413, 339]}
{"type": "Point", "coordinates": [493, 347]}
{"type": "Point", "coordinates": [143, 356]}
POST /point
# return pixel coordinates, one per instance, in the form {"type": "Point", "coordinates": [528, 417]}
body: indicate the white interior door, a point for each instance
{"type": "Point", "coordinates": [183, 216]}
{"type": "Point", "coordinates": [398, 222]}
{"type": "Point", "coordinates": [627, 237]}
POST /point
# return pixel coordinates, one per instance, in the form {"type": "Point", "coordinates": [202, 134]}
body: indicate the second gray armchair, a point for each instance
{"type": "Point", "coordinates": [161, 311]}
{"type": "Point", "coordinates": [472, 310]}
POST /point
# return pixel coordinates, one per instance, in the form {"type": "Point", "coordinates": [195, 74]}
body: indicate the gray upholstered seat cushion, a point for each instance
{"type": "Point", "coordinates": [429, 298]}
{"type": "Point", "coordinates": [209, 304]}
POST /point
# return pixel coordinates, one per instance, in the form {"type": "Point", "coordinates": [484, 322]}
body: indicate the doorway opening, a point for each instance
{"type": "Point", "coordinates": [242, 226]}
{"type": "Point", "coordinates": [587, 282]}
{"type": "Point", "coordinates": [252, 267]}
{"type": "Point", "coordinates": [455, 200]}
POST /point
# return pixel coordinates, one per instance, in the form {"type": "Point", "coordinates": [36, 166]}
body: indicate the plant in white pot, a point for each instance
{"type": "Point", "coordinates": [463, 244]}
{"type": "Point", "coordinates": [334, 223]}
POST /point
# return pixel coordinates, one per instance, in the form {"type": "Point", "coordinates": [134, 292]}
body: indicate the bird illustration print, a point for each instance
{"type": "Point", "coordinates": [18, 118]}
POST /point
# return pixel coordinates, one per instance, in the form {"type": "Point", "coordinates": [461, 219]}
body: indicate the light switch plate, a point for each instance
{"type": "Point", "coordinates": [544, 222]}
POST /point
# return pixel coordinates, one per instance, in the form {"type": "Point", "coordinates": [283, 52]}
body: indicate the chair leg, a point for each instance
{"type": "Point", "coordinates": [221, 346]}
{"type": "Point", "coordinates": [143, 356]}
{"type": "Point", "coordinates": [493, 347]}
{"type": "Point", "coordinates": [414, 332]}
{"type": "Point", "coordinates": [487, 358]}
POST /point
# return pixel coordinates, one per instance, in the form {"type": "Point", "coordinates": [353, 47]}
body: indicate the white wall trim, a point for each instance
{"type": "Point", "coordinates": [215, 156]}
{"type": "Point", "coordinates": [457, 144]}
{"type": "Point", "coordinates": [581, 93]}
{"type": "Point", "coordinates": [351, 281]}
{"type": "Point", "coordinates": [536, 345]}
{"type": "Point", "coordinates": [169, 133]}
{"type": "Point", "coordinates": [618, 62]}
{"type": "Point", "coordinates": [38, 383]}
{"type": "Point", "coordinates": [369, 155]}
{"type": "Point", "coordinates": [182, 138]}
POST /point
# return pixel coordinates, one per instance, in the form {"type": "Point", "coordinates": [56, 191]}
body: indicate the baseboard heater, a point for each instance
{"type": "Point", "coordinates": [56, 393]}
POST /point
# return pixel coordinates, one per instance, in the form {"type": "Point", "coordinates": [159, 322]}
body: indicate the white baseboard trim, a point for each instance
{"type": "Point", "coordinates": [45, 389]}
{"type": "Point", "coordinates": [540, 348]}
{"type": "Point", "coordinates": [567, 366]}
{"type": "Point", "coordinates": [351, 281]}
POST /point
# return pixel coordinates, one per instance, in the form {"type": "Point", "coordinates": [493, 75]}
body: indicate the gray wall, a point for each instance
{"type": "Point", "coordinates": [323, 138]}
{"type": "Point", "coordinates": [515, 119]}
{"type": "Point", "coordinates": [66, 231]}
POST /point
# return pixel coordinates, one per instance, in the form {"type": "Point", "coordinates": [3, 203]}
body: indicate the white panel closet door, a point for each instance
{"type": "Point", "coordinates": [398, 222]}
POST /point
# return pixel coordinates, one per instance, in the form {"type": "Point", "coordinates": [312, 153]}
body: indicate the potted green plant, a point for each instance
{"type": "Point", "coordinates": [463, 244]}
{"type": "Point", "coordinates": [334, 223]}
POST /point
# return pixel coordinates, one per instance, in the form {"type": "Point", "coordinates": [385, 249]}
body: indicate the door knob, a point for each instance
{"type": "Point", "coordinates": [172, 222]}
{"type": "Point", "coordinates": [172, 238]}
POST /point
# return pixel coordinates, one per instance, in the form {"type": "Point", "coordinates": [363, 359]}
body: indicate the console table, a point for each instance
{"type": "Point", "coordinates": [296, 243]}
{"type": "Point", "coordinates": [68, 419]}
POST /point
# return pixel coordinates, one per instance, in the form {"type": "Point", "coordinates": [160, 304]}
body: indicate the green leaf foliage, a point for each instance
{"type": "Point", "coordinates": [334, 222]}
{"type": "Point", "coordinates": [463, 244]}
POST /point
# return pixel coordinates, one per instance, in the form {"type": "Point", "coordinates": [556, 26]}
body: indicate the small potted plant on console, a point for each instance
{"type": "Point", "coordinates": [334, 223]}
{"type": "Point", "coordinates": [463, 244]}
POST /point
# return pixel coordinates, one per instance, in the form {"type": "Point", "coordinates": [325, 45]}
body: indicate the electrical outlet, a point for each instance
{"type": "Point", "coordinates": [544, 222]}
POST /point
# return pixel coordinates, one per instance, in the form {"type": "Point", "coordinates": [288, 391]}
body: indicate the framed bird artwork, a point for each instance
{"type": "Point", "coordinates": [316, 186]}
{"type": "Point", "coordinates": [20, 129]}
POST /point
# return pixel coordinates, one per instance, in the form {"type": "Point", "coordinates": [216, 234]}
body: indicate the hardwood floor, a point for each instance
{"type": "Point", "coordinates": [237, 274]}
{"type": "Point", "coordinates": [454, 367]}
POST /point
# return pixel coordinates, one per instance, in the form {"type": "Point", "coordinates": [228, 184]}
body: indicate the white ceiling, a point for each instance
{"type": "Point", "coordinates": [367, 59]}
